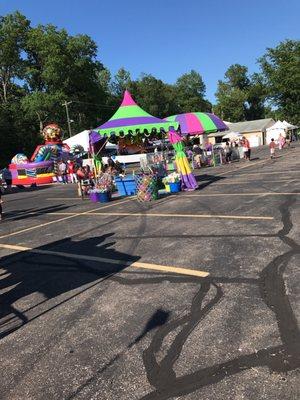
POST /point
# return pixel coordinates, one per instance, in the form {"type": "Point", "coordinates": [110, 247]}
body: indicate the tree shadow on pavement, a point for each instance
{"type": "Point", "coordinates": [159, 318]}
{"type": "Point", "coordinates": [32, 278]}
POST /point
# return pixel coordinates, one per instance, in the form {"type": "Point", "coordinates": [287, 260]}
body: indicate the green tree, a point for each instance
{"type": "Point", "coordinates": [40, 68]}
{"type": "Point", "coordinates": [190, 92]}
{"type": "Point", "coordinates": [120, 83]}
{"type": "Point", "coordinates": [256, 96]}
{"type": "Point", "coordinates": [63, 67]}
{"type": "Point", "coordinates": [43, 107]}
{"type": "Point", "coordinates": [13, 29]}
{"type": "Point", "coordinates": [231, 105]}
{"type": "Point", "coordinates": [104, 77]}
{"type": "Point", "coordinates": [154, 95]}
{"type": "Point", "coordinates": [281, 71]}
{"type": "Point", "coordinates": [240, 97]}
{"type": "Point", "coordinates": [236, 76]}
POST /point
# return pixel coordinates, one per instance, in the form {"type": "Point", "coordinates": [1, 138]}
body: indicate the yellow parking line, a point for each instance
{"type": "Point", "coordinates": [133, 214]}
{"type": "Point", "coordinates": [126, 214]}
{"type": "Point", "coordinates": [235, 181]}
{"type": "Point", "coordinates": [64, 198]}
{"type": "Point", "coordinates": [241, 194]}
{"type": "Point", "coordinates": [176, 270]}
{"type": "Point", "coordinates": [187, 215]}
{"type": "Point", "coordinates": [77, 198]}
{"type": "Point", "coordinates": [251, 164]}
{"type": "Point", "coordinates": [69, 216]}
{"type": "Point", "coordinates": [268, 173]}
{"type": "Point", "coordinates": [128, 264]}
{"type": "Point", "coordinates": [243, 167]}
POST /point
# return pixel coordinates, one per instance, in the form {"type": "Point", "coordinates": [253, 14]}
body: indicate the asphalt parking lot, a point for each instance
{"type": "Point", "coordinates": [194, 296]}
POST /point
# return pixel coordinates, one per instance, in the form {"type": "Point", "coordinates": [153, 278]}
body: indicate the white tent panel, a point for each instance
{"type": "Point", "coordinates": [279, 128]}
{"type": "Point", "coordinates": [82, 139]}
{"type": "Point", "coordinates": [277, 125]}
{"type": "Point", "coordinates": [233, 135]}
{"type": "Point", "coordinates": [289, 126]}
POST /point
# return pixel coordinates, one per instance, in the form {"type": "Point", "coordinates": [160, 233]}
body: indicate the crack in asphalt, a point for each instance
{"type": "Point", "coordinates": [161, 374]}
{"type": "Point", "coordinates": [280, 358]}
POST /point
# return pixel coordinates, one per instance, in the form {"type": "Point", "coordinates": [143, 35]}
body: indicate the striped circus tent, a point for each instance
{"type": "Point", "coordinates": [130, 119]}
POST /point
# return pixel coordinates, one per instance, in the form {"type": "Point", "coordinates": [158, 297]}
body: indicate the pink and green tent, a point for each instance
{"type": "Point", "coordinates": [197, 123]}
{"type": "Point", "coordinates": [132, 119]}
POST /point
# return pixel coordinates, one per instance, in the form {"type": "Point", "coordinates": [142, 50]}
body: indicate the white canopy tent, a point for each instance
{"type": "Point", "coordinates": [232, 136]}
{"type": "Point", "coordinates": [279, 128]}
{"type": "Point", "coordinates": [289, 126]}
{"type": "Point", "coordinates": [82, 139]}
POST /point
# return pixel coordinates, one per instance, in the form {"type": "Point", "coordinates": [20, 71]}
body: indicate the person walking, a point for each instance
{"type": "Point", "coordinates": [197, 155]}
{"type": "Point", "coordinates": [228, 152]}
{"type": "Point", "coordinates": [6, 175]}
{"type": "Point", "coordinates": [281, 141]}
{"type": "Point", "coordinates": [62, 168]}
{"type": "Point", "coordinates": [272, 147]}
{"type": "Point", "coordinates": [71, 171]}
{"type": "Point", "coordinates": [246, 148]}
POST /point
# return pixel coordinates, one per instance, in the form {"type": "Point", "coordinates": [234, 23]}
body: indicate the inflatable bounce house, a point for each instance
{"type": "Point", "coordinates": [42, 166]}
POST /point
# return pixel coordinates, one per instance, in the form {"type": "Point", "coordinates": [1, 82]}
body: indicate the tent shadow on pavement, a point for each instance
{"type": "Point", "coordinates": [21, 214]}
{"type": "Point", "coordinates": [29, 280]}
{"type": "Point", "coordinates": [205, 180]}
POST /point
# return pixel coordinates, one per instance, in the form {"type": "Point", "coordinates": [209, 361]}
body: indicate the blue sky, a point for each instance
{"type": "Point", "coordinates": [167, 38]}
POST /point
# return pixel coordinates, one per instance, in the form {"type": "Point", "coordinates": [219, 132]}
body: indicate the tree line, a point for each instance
{"type": "Point", "coordinates": [41, 67]}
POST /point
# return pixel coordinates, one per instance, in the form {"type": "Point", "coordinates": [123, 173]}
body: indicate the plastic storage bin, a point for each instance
{"type": "Point", "coordinates": [104, 197]}
{"type": "Point", "coordinates": [94, 197]}
{"type": "Point", "coordinates": [175, 187]}
{"type": "Point", "coordinates": [126, 186]}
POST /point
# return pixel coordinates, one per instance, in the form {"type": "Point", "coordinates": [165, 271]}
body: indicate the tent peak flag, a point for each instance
{"type": "Point", "coordinates": [128, 100]}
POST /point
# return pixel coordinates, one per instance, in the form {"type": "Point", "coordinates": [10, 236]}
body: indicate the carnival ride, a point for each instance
{"type": "Point", "coordinates": [43, 164]}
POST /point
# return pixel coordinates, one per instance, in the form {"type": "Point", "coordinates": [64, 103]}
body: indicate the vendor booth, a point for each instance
{"type": "Point", "coordinates": [134, 130]}
{"type": "Point", "coordinates": [129, 127]}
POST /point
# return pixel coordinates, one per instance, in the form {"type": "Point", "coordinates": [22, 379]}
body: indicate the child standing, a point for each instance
{"type": "Point", "coordinates": [71, 172]}
{"type": "Point", "coordinates": [272, 146]}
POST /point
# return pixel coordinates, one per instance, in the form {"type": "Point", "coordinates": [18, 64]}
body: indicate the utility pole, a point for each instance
{"type": "Point", "coordinates": [65, 104]}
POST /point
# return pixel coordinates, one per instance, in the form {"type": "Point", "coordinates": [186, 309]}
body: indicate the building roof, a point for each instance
{"type": "Point", "coordinates": [250, 126]}
{"type": "Point", "coordinates": [217, 134]}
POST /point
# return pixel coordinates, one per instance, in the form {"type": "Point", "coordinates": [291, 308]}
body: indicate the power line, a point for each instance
{"type": "Point", "coordinates": [73, 101]}
{"type": "Point", "coordinates": [65, 104]}
{"type": "Point", "coordinates": [95, 104]}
